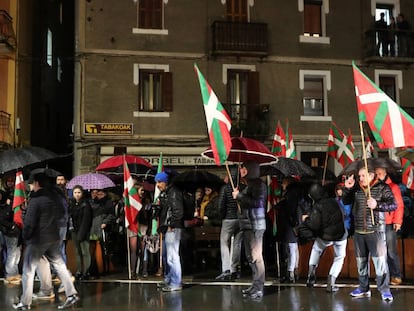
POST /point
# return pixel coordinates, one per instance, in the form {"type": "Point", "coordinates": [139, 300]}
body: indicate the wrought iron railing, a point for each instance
{"type": "Point", "coordinates": [238, 38]}
{"type": "Point", "coordinates": [7, 35]}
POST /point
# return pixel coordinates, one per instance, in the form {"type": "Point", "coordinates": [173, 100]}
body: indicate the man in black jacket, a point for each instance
{"type": "Point", "coordinates": [371, 198]}
{"type": "Point", "coordinates": [171, 225]}
{"type": "Point", "coordinates": [326, 220]}
{"type": "Point", "coordinates": [252, 201]}
{"type": "Point", "coordinates": [41, 236]}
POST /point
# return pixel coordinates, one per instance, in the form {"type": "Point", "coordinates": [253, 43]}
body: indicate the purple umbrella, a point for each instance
{"type": "Point", "coordinates": [91, 181]}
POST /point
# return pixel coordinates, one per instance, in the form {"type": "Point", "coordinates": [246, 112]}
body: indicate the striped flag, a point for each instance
{"type": "Point", "coordinates": [132, 201]}
{"type": "Point", "coordinates": [369, 147]}
{"type": "Point", "coordinates": [218, 122]}
{"type": "Point", "coordinates": [290, 146]}
{"type": "Point", "coordinates": [19, 199]}
{"type": "Point", "coordinates": [407, 173]}
{"type": "Point", "coordinates": [390, 125]}
{"type": "Point", "coordinates": [339, 146]}
{"type": "Point", "coordinates": [279, 141]}
{"type": "Point", "coordinates": [351, 145]}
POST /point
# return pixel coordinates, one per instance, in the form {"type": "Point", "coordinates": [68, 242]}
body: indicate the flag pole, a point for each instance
{"type": "Point", "coordinates": [325, 165]}
{"type": "Point", "coordinates": [364, 156]}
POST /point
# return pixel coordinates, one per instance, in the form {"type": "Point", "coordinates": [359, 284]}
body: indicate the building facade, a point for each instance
{"type": "Point", "coordinates": [136, 91]}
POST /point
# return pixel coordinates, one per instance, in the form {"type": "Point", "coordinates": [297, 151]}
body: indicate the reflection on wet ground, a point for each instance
{"type": "Point", "coordinates": [117, 294]}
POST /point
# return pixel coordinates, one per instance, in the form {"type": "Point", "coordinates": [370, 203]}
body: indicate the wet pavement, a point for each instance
{"type": "Point", "coordinates": [118, 294]}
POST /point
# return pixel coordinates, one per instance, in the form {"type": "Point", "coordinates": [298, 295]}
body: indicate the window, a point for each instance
{"type": "Point", "coordinates": [243, 97]}
{"type": "Point", "coordinates": [154, 90]}
{"type": "Point", "coordinates": [150, 17]}
{"type": "Point", "coordinates": [390, 81]}
{"type": "Point", "coordinates": [314, 21]}
{"type": "Point", "coordinates": [315, 85]}
{"type": "Point", "coordinates": [237, 10]}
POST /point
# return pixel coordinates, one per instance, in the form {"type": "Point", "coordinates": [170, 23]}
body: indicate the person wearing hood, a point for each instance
{"type": "Point", "coordinates": [326, 220]}
{"type": "Point", "coordinates": [230, 228]}
{"type": "Point", "coordinates": [252, 219]}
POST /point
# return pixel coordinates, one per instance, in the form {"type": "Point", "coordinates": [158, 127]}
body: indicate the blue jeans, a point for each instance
{"type": "Point", "coordinates": [230, 228]}
{"type": "Point", "coordinates": [172, 248]}
{"type": "Point", "coordinates": [13, 255]}
{"type": "Point", "coordinates": [372, 244]}
{"type": "Point", "coordinates": [392, 256]}
{"type": "Point", "coordinates": [253, 242]}
{"type": "Point", "coordinates": [319, 247]}
{"type": "Point", "coordinates": [32, 258]}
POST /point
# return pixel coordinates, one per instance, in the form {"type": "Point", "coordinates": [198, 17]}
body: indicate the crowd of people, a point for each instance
{"type": "Point", "coordinates": [394, 38]}
{"type": "Point", "coordinates": [366, 205]}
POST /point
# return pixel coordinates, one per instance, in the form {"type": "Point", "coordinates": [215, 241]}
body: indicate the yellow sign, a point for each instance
{"type": "Point", "coordinates": [108, 128]}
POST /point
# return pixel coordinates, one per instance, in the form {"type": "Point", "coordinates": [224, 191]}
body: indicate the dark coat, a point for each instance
{"type": "Point", "coordinates": [81, 214]}
{"type": "Point", "coordinates": [171, 209]}
{"type": "Point", "coordinates": [44, 213]}
{"type": "Point", "coordinates": [7, 225]}
{"type": "Point", "coordinates": [382, 193]}
{"type": "Point", "coordinates": [252, 200]}
{"type": "Point", "coordinates": [326, 219]}
{"type": "Point", "coordinates": [227, 205]}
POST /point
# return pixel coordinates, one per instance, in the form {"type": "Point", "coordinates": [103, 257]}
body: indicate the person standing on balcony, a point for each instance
{"type": "Point", "coordinates": [403, 36]}
{"type": "Point", "coordinates": [392, 27]}
{"type": "Point", "coordinates": [382, 35]}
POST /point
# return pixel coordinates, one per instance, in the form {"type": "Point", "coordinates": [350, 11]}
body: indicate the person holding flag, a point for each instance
{"type": "Point", "coordinates": [171, 226]}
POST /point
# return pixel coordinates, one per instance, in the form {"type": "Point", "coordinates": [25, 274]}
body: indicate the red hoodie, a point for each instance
{"type": "Point", "coordinates": [395, 217]}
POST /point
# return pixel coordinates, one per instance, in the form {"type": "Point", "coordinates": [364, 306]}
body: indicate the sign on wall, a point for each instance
{"type": "Point", "coordinates": [108, 129]}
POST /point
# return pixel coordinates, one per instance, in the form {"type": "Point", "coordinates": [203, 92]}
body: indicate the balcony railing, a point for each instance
{"type": "Point", "coordinates": [391, 46]}
{"type": "Point", "coordinates": [5, 128]}
{"type": "Point", "coordinates": [7, 37]}
{"type": "Point", "coordinates": [240, 39]}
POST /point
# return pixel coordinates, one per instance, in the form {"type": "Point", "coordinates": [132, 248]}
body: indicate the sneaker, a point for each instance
{"type": "Point", "coordinates": [61, 289]}
{"type": "Point", "coordinates": [69, 302]}
{"type": "Point", "coordinates": [162, 284]}
{"type": "Point", "coordinates": [358, 293]}
{"type": "Point", "coordinates": [387, 296]}
{"type": "Point", "coordinates": [226, 275]}
{"type": "Point", "coordinates": [21, 306]}
{"type": "Point", "coordinates": [254, 294]}
{"type": "Point", "coordinates": [42, 295]}
{"type": "Point", "coordinates": [15, 279]}
{"type": "Point", "coordinates": [247, 290]}
{"type": "Point", "coordinates": [170, 288]}
{"type": "Point", "coordinates": [395, 281]}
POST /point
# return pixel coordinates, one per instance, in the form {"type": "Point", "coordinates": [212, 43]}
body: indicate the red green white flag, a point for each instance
{"type": "Point", "coordinates": [351, 145]}
{"type": "Point", "coordinates": [391, 126]}
{"type": "Point", "coordinates": [290, 145]}
{"type": "Point", "coordinates": [132, 201]}
{"type": "Point", "coordinates": [218, 122]}
{"type": "Point", "coordinates": [19, 199]}
{"type": "Point", "coordinates": [369, 147]}
{"type": "Point", "coordinates": [339, 146]}
{"type": "Point", "coordinates": [407, 173]}
{"type": "Point", "coordinates": [279, 141]}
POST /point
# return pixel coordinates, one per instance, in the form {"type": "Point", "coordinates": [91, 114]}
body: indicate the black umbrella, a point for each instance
{"type": "Point", "coordinates": [390, 165]}
{"type": "Point", "coordinates": [193, 179]}
{"type": "Point", "coordinates": [15, 159]}
{"type": "Point", "coordinates": [290, 167]}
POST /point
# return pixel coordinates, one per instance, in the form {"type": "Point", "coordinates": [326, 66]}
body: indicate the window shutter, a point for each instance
{"type": "Point", "coordinates": [253, 92]}
{"type": "Point", "coordinates": [167, 91]}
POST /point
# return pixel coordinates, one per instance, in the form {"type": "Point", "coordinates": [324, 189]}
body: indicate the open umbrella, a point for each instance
{"type": "Point", "coordinates": [136, 165]}
{"type": "Point", "coordinates": [290, 167]}
{"type": "Point", "coordinates": [355, 166]}
{"type": "Point", "coordinates": [390, 165]}
{"type": "Point", "coordinates": [244, 149]}
{"type": "Point", "coordinates": [192, 179]}
{"type": "Point", "coordinates": [18, 158]}
{"type": "Point", "coordinates": [91, 181]}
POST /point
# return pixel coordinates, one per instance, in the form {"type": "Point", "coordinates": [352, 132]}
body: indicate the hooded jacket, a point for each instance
{"type": "Point", "coordinates": [252, 199]}
{"type": "Point", "coordinates": [326, 219]}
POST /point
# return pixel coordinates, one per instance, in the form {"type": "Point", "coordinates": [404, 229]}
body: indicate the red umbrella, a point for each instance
{"type": "Point", "coordinates": [244, 149]}
{"type": "Point", "coordinates": [136, 164]}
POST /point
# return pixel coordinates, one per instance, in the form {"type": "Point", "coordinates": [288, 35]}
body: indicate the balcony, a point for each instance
{"type": "Point", "coordinates": [239, 39]}
{"type": "Point", "coordinates": [6, 133]}
{"type": "Point", "coordinates": [398, 48]}
{"type": "Point", "coordinates": [7, 37]}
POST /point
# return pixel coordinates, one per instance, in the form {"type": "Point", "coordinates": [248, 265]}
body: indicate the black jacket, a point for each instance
{"type": "Point", "coordinates": [382, 193]}
{"type": "Point", "coordinates": [44, 214]}
{"type": "Point", "coordinates": [7, 225]}
{"type": "Point", "coordinates": [252, 200]}
{"type": "Point", "coordinates": [171, 209]}
{"type": "Point", "coordinates": [81, 214]}
{"type": "Point", "coordinates": [326, 219]}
